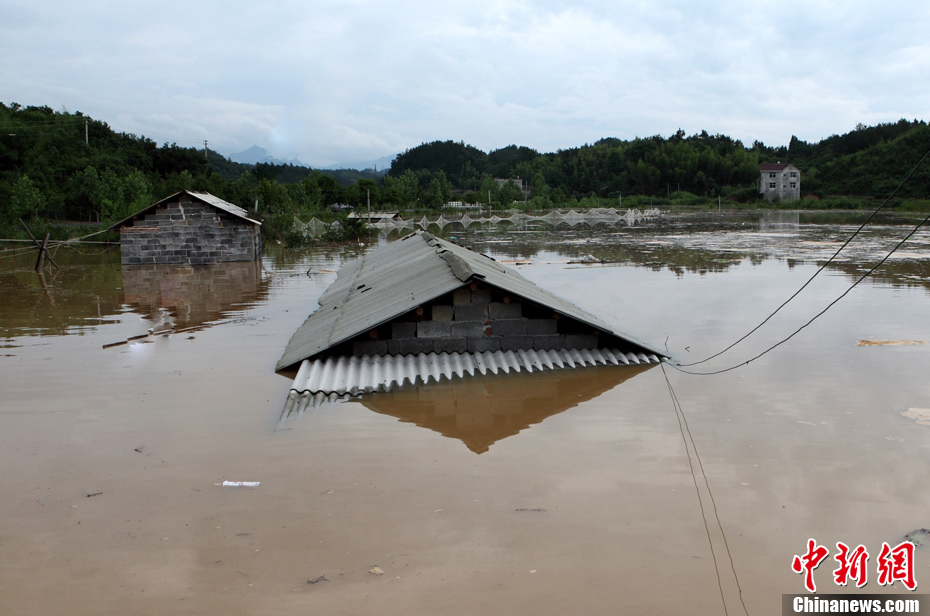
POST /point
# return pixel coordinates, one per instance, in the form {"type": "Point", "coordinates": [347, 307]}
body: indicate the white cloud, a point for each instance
{"type": "Point", "coordinates": [348, 80]}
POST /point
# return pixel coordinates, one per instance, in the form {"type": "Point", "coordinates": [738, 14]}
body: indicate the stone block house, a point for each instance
{"type": "Point", "coordinates": [779, 181]}
{"type": "Point", "coordinates": [422, 308]}
{"type": "Point", "coordinates": [190, 228]}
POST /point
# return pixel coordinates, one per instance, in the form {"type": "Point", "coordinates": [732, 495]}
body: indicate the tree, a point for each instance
{"type": "Point", "coordinates": [490, 189]}
{"type": "Point", "coordinates": [511, 192]}
{"type": "Point", "coordinates": [409, 188]}
{"type": "Point", "coordinates": [439, 192]}
{"type": "Point", "coordinates": [538, 186]}
{"type": "Point", "coordinates": [25, 200]}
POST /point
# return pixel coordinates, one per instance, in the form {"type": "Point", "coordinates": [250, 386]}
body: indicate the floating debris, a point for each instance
{"type": "Point", "coordinates": [921, 416]}
{"type": "Point", "coordinates": [240, 484]}
{"type": "Point", "coordinates": [890, 342]}
{"type": "Point", "coordinates": [919, 537]}
{"type": "Point", "coordinates": [376, 571]}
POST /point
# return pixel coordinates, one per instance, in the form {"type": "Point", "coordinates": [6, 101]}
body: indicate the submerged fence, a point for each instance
{"type": "Point", "coordinates": [571, 218]}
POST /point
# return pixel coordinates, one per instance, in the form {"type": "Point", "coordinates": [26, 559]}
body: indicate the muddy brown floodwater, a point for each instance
{"type": "Point", "coordinates": [582, 492]}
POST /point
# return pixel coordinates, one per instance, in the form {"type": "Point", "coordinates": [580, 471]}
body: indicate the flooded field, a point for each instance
{"type": "Point", "coordinates": [591, 491]}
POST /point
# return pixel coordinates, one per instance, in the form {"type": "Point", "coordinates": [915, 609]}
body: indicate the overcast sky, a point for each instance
{"type": "Point", "coordinates": [343, 81]}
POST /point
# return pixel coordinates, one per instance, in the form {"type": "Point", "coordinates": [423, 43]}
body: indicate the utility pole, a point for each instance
{"type": "Point", "coordinates": [86, 133]}
{"type": "Point", "coordinates": [205, 149]}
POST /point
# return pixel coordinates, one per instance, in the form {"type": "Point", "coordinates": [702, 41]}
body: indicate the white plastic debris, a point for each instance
{"type": "Point", "coordinates": [240, 484]}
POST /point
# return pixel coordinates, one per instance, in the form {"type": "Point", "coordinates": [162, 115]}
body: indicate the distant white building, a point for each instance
{"type": "Point", "coordinates": [779, 181]}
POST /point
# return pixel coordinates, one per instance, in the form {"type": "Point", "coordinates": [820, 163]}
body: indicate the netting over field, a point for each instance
{"type": "Point", "coordinates": [592, 216]}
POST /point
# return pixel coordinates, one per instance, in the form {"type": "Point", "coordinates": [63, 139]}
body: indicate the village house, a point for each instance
{"type": "Point", "coordinates": [191, 228]}
{"type": "Point", "coordinates": [779, 181]}
{"type": "Point", "coordinates": [422, 309]}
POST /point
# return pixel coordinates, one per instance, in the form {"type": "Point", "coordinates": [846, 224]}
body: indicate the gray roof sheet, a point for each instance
{"type": "Point", "coordinates": [399, 277]}
{"type": "Point", "coordinates": [205, 197]}
{"type": "Point", "coordinates": [378, 373]}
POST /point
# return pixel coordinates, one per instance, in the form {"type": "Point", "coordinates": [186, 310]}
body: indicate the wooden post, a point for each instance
{"type": "Point", "coordinates": [40, 263]}
{"type": "Point", "coordinates": [42, 248]}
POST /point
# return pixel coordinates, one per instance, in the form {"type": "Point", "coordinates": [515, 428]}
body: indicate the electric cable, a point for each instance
{"type": "Point", "coordinates": [683, 427]}
{"type": "Point", "coordinates": [820, 269]}
{"type": "Point", "coordinates": [816, 316]}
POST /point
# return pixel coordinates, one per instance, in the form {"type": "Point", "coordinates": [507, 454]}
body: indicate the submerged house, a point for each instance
{"type": "Point", "coordinates": [421, 309]}
{"type": "Point", "coordinates": [191, 228]}
{"type": "Point", "coordinates": [779, 181]}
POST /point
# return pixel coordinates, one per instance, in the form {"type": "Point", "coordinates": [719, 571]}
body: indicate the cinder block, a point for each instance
{"type": "Point", "coordinates": [500, 310]}
{"type": "Point", "coordinates": [581, 341]}
{"type": "Point", "coordinates": [541, 327]}
{"type": "Point", "coordinates": [543, 343]}
{"type": "Point", "coordinates": [461, 296]}
{"type": "Point", "coordinates": [412, 346]}
{"type": "Point", "coordinates": [471, 312]}
{"type": "Point", "coordinates": [473, 329]}
{"type": "Point", "coordinates": [517, 343]}
{"type": "Point", "coordinates": [483, 344]}
{"type": "Point", "coordinates": [369, 347]}
{"type": "Point", "coordinates": [452, 345]}
{"type": "Point", "coordinates": [442, 313]}
{"type": "Point", "coordinates": [508, 327]}
{"type": "Point", "coordinates": [403, 330]}
{"type": "Point", "coordinates": [434, 329]}
{"type": "Point", "coordinates": [481, 296]}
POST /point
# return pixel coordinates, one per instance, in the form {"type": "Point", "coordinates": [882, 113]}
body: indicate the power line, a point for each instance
{"type": "Point", "coordinates": [816, 316]}
{"type": "Point", "coordinates": [821, 268]}
{"type": "Point", "coordinates": [683, 427]}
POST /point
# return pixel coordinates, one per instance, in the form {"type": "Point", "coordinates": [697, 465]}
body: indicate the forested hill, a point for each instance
{"type": "Point", "coordinates": [68, 166]}
{"type": "Point", "coordinates": [867, 162]}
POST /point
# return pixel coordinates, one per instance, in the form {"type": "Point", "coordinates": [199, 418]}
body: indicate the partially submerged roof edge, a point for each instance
{"type": "Point", "coordinates": [195, 194]}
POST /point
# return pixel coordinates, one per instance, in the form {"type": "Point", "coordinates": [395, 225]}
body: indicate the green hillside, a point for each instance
{"type": "Point", "coordinates": [63, 166]}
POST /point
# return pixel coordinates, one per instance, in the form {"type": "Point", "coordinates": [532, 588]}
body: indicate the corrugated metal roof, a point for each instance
{"type": "Point", "coordinates": [205, 197]}
{"type": "Point", "coordinates": [219, 204]}
{"type": "Point", "coordinates": [380, 373]}
{"type": "Point", "coordinates": [399, 277]}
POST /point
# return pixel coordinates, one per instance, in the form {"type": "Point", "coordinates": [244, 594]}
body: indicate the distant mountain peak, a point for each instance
{"type": "Point", "coordinates": [257, 154]}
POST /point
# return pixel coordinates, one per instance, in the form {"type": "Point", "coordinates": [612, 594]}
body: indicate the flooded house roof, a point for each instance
{"type": "Point", "coordinates": [203, 197]}
{"type": "Point", "coordinates": [422, 308]}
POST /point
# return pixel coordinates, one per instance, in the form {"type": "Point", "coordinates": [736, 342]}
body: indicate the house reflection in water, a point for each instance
{"type": "Point", "coordinates": [482, 410]}
{"type": "Point", "coordinates": [189, 296]}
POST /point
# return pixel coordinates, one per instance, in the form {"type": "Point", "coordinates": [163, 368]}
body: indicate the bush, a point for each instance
{"type": "Point", "coordinates": [345, 230]}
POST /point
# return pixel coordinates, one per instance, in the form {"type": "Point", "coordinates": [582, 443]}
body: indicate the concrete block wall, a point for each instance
{"type": "Point", "coordinates": [475, 319]}
{"type": "Point", "coordinates": [190, 233]}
